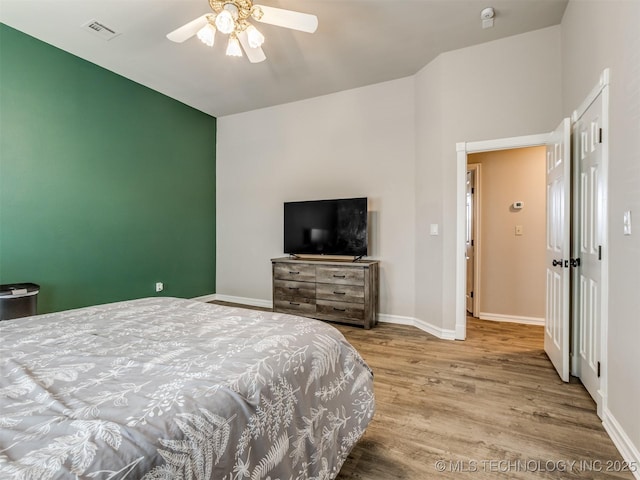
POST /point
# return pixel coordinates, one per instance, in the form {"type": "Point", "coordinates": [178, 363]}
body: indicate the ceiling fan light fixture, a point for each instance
{"type": "Point", "coordinates": [207, 35]}
{"type": "Point", "coordinates": [235, 18]}
{"type": "Point", "coordinates": [256, 39]}
{"type": "Point", "coordinates": [225, 21]}
{"type": "Point", "coordinates": [256, 12]}
{"type": "Point", "coordinates": [233, 47]}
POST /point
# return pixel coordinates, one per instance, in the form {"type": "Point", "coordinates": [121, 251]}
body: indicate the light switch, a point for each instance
{"type": "Point", "coordinates": [433, 229]}
{"type": "Point", "coordinates": [626, 221]}
{"type": "Point", "coordinates": [519, 230]}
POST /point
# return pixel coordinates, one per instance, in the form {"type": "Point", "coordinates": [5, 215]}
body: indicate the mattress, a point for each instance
{"type": "Point", "coordinates": [163, 388]}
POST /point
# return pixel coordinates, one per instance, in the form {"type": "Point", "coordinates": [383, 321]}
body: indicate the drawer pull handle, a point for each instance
{"type": "Point", "coordinates": [339, 276]}
{"type": "Point", "coordinates": [340, 309]}
{"type": "Point", "coordinates": [294, 288]}
{"type": "Point", "coordinates": [294, 303]}
{"type": "Point", "coordinates": [294, 273]}
{"type": "Point", "coordinates": [339, 293]}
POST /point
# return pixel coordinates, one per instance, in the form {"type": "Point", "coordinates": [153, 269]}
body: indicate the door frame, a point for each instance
{"type": "Point", "coordinates": [462, 150]}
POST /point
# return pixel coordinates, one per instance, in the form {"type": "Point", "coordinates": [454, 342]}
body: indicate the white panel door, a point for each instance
{"type": "Point", "coordinates": [558, 168]}
{"type": "Point", "coordinates": [469, 241]}
{"type": "Point", "coordinates": [588, 228]}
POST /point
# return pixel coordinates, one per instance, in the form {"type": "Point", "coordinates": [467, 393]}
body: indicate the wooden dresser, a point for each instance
{"type": "Point", "coordinates": [339, 291]}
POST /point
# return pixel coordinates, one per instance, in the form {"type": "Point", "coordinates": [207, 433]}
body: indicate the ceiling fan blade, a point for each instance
{"type": "Point", "coordinates": [255, 55]}
{"type": "Point", "coordinates": [305, 22]}
{"type": "Point", "coordinates": [187, 31]}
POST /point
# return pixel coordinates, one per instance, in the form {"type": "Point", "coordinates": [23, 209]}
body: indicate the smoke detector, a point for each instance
{"type": "Point", "coordinates": [486, 15]}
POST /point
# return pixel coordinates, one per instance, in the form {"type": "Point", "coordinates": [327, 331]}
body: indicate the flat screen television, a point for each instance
{"type": "Point", "coordinates": [326, 227]}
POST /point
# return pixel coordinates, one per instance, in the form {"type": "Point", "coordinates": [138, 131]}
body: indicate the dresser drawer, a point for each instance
{"type": "Point", "coordinates": [299, 307]}
{"type": "Point", "coordinates": [295, 272]}
{"type": "Point", "coordinates": [340, 293]}
{"type": "Point", "coordinates": [287, 289]}
{"type": "Point", "coordinates": [340, 311]}
{"type": "Point", "coordinates": [340, 275]}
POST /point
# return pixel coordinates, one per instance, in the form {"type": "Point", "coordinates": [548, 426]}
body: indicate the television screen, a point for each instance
{"type": "Point", "coordinates": [326, 227]}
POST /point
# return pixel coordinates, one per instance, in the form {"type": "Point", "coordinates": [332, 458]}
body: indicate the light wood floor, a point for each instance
{"type": "Point", "coordinates": [489, 407]}
{"type": "Point", "coordinates": [493, 404]}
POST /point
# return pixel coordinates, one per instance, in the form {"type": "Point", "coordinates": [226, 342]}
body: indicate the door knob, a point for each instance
{"type": "Point", "coordinates": [556, 263]}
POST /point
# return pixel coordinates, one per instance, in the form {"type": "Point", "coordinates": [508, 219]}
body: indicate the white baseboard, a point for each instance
{"type": "Point", "coordinates": [205, 298]}
{"type": "Point", "coordinates": [254, 302]}
{"type": "Point", "coordinates": [497, 317]}
{"type": "Point", "coordinates": [441, 333]}
{"type": "Point", "coordinates": [397, 319]}
{"type": "Point", "coordinates": [623, 443]}
{"type": "Point", "coordinates": [382, 317]}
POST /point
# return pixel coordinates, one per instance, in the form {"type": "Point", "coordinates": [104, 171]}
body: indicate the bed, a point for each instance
{"type": "Point", "coordinates": [163, 388]}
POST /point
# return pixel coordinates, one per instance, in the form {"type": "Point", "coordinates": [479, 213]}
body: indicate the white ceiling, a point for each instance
{"type": "Point", "coordinates": [358, 42]}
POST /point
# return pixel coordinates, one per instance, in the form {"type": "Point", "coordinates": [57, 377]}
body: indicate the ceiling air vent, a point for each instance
{"type": "Point", "coordinates": [100, 29]}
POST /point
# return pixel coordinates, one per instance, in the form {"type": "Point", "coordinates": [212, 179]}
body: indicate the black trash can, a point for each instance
{"type": "Point", "coordinates": [18, 300]}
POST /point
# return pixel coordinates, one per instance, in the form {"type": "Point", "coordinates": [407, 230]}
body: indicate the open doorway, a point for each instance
{"type": "Point", "coordinates": [464, 149]}
{"type": "Point", "coordinates": [505, 235]}
{"type": "Point", "coordinates": [472, 234]}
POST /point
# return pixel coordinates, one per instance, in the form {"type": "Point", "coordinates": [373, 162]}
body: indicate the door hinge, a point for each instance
{"type": "Point", "coordinates": [599, 252]}
{"type": "Point", "coordinates": [598, 369]}
{"type": "Point", "coordinates": [600, 136]}
{"type": "Point", "coordinates": [471, 295]}
{"type": "Point", "coordinates": [473, 190]}
{"type": "Point", "coordinates": [472, 243]}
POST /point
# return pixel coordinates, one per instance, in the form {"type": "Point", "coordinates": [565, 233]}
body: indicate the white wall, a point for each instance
{"type": "Point", "coordinates": [499, 89]}
{"type": "Point", "coordinates": [597, 35]}
{"type": "Point", "coordinates": [429, 194]}
{"type": "Point", "coordinates": [357, 143]}
{"type": "Point", "coordinates": [394, 143]}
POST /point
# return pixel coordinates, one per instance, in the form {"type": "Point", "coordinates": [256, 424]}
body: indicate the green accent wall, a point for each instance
{"type": "Point", "coordinates": [106, 186]}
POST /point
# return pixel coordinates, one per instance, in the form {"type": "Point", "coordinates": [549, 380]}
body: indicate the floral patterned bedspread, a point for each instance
{"type": "Point", "coordinates": [165, 388]}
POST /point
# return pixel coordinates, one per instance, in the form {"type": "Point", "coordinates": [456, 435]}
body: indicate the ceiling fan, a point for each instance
{"type": "Point", "coordinates": [231, 17]}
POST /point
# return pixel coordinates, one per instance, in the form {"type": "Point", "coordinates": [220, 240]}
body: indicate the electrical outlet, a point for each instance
{"type": "Point", "coordinates": [159, 286]}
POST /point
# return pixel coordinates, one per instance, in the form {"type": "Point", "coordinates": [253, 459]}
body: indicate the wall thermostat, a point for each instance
{"type": "Point", "coordinates": [518, 205]}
